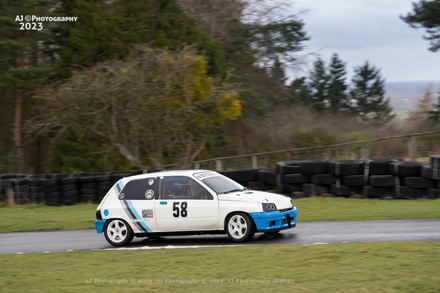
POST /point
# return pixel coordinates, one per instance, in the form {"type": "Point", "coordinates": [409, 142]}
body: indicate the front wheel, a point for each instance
{"type": "Point", "coordinates": [118, 233]}
{"type": "Point", "coordinates": [240, 227]}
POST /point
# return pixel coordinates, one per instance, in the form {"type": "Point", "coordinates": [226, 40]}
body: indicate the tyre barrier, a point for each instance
{"type": "Point", "coordinates": [384, 178]}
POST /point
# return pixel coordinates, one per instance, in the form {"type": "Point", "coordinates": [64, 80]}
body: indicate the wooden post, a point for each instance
{"type": "Point", "coordinates": [10, 194]}
{"type": "Point", "coordinates": [196, 165]}
{"type": "Point", "coordinates": [288, 157]}
{"type": "Point", "coordinates": [254, 162]}
{"type": "Point", "coordinates": [414, 148]}
{"type": "Point", "coordinates": [328, 152]}
{"type": "Point", "coordinates": [379, 148]}
{"type": "Point", "coordinates": [218, 165]}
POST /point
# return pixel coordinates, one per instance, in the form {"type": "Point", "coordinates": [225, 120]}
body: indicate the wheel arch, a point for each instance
{"type": "Point", "coordinates": [234, 212]}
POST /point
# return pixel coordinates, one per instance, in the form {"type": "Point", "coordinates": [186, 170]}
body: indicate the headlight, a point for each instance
{"type": "Point", "coordinates": [269, 207]}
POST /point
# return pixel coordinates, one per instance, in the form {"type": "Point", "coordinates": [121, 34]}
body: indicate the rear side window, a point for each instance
{"type": "Point", "coordinates": [141, 189]}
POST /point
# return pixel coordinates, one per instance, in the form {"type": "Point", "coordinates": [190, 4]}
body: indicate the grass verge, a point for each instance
{"type": "Point", "coordinates": [352, 267]}
{"type": "Point", "coordinates": [82, 216]}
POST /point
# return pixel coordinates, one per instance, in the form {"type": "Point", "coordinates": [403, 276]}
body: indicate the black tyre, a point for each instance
{"type": "Point", "coordinates": [433, 193]}
{"type": "Point", "coordinates": [323, 179]}
{"type": "Point", "coordinates": [341, 191]}
{"type": "Point", "coordinates": [69, 187]}
{"type": "Point", "coordinates": [430, 173]}
{"type": "Point", "coordinates": [51, 183]}
{"type": "Point", "coordinates": [345, 167]}
{"type": "Point", "coordinates": [229, 174]}
{"type": "Point", "coordinates": [406, 169]}
{"type": "Point", "coordinates": [117, 232]}
{"type": "Point", "coordinates": [288, 188]}
{"type": "Point", "coordinates": [380, 166]}
{"type": "Point", "coordinates": [104, 178]}
{"type": "Point", "coordinates": [314, 189]}
{"type": "Point", "coordinates": [435, 161]}
{"type": "Point", "coordinates": [418, 182]}
{"type": "Point", "coordinates": [239, 227]}
{"type": "Point", "coordinates": [371, 191]}
{"type": "Point", "coordinates": [382, 180]}
{"type": "Point", "coordinates": [288, 167]}
{"type": "Point", "coordinates": [259, 186]}
{"type": "Point", "coordinates": [408, 192]}
{"type": "Point", "coordinates": [312, 167]}
{"type": "Point", "coordinates": [268, 176]}
{"type": "Point", "coordinates": [246, 175]}
{"type": "Point", "coordinates": [353, 180]}
{"type": "Point", "coordinates": [295, 179]}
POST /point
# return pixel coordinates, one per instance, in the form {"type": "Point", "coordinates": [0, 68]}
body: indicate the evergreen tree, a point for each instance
{"type": "Point", "coordinates": [319, 80]}
{"type": "Point", "coordinates": [368, 94]}
{"type": "Point", "coordinates": [19, 50]}
{"type": "Point", "coordinates": [108, 30]}
{"type": "Point", "coordinates": [337, 97]}
{"type": "Point", "coordinates": [299, 92]}
{"type": "Point", "coordinates": [434, 114]}
{"type": "Point", "coordinates": [426, 14]}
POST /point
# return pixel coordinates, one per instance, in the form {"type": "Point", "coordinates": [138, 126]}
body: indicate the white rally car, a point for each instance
{"type": "Point", "coordinates": [189, 202]}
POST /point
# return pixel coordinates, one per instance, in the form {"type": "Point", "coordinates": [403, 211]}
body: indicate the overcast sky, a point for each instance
{"type": "Point", "coordinates": [370, 30]}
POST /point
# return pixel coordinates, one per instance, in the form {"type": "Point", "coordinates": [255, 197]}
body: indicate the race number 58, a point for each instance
{"type": "Point", "coordinates": [182, 210]}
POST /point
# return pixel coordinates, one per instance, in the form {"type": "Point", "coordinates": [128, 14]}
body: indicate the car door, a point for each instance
{"type": "Point", "coordinates": [182, 204]}
{"type": "Point", "coordinates": [137, 199]}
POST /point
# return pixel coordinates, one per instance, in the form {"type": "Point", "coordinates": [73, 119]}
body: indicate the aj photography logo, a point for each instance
{"type": "Point", "coordinates": [34, 22]}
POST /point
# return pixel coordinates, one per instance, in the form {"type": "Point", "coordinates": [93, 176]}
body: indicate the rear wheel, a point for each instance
{"type": "Point", "coordinates": [240, 227]}
{"type": "Point", "coordinates": [118, 232]}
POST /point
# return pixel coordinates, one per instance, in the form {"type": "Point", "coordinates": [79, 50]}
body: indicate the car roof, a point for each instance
{"type": "Point", "coordinates": [167, 173]}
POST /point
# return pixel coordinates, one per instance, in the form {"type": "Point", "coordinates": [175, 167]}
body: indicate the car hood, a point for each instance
{"type": "Point", "coordinates": [256, 196]}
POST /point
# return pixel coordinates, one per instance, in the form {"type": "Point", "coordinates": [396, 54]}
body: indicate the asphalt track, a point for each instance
{"type": "Point", "coordinates": [304, 233]}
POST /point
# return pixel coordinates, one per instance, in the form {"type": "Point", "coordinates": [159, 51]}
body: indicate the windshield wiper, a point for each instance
{"type": "Point", "coordinates": [233, 190]}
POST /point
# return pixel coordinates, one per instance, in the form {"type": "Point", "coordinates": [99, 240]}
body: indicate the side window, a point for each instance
{"type": "Point", "coordinates": [142, 189]}
{"type": "Point", "coordinates": [179, 187]}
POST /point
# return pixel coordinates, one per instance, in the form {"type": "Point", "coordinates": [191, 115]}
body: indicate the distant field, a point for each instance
{"type": "Point", "coordinates": [350, 267]}
{"type": "Point", "coordinates": [40, 217]}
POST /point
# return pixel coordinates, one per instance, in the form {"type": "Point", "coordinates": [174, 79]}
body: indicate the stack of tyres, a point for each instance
{"type": "Point", "coordinates": [21, 191]}
{"type": "Point", "coordinates": [378, 180]}
{"type": "Point", "coordinates": [103, 184]}
{"type": "Point", "coordinates": [432, 171]}
{"type": "Point", "coordinates": [319, 177]}
{"type": "Point", "coordinates": [348, 176]}
{"type": "Point", "coordinates": [52, 192]}
{"type": "Point", "coordinates": [88, 188]}
{"type": "Point", "coordinates": [249, 178]}
{"type": "Point", "coordinates": [35, 190]}
{"type": "Point", "coordinates": [70, 190]}
{"type": "Point", "coordinates": [408, 182]}
{"type": "Point", "coordinates": [289, 177]}
{"type": "Point", "coordinates": [116, 176]}
{"type": "Point", "coordinates": [267, 178]}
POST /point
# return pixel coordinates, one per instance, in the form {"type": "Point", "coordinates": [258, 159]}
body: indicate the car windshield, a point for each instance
{"type": "Point", "coordinates": [221, 184]}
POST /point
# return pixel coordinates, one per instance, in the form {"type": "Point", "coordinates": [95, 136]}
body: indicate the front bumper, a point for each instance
{"type": "Point", "coordinates": [275, 221]}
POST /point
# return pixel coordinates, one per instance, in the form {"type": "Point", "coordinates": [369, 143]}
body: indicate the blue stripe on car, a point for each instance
{"type": "Point", "coordinates": [133, 210]}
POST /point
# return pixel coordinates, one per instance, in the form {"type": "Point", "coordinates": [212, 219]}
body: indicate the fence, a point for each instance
{"type": "Point", "coordinates": [414, 147]}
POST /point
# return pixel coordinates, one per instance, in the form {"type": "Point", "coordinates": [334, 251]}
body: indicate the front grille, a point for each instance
{"type": "Point", "coordinates": [285, 210]}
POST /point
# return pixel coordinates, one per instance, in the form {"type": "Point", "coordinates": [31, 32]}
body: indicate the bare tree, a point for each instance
{"type": "Point", "coordinates": [152, 103]}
